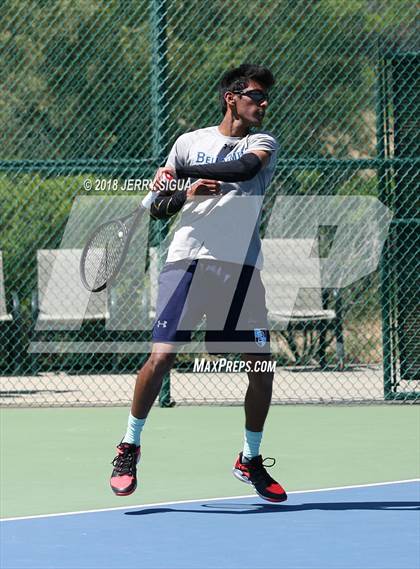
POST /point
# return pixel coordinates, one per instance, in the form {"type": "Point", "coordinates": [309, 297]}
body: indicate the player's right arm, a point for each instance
{"type": "Point", "coordinates": [170, 201]}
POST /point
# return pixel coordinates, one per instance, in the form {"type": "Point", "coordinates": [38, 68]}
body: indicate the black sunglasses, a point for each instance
{"type": "Point", "coordinates": [255, 94]}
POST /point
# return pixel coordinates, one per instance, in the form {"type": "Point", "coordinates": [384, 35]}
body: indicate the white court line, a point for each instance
{"type": "Point", "coordinates": [204, 500]}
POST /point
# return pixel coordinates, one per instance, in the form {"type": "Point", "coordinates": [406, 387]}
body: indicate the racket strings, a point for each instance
{"type": "Point", "coordinates": [104, 253]}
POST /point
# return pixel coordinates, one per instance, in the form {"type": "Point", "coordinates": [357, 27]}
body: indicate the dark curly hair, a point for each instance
{"type": "Point", "coordinates": [239, 77]}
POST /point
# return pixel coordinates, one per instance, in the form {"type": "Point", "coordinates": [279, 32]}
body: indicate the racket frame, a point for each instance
{"type": "Point", "coordinates": [128, 233]}
{"type": "Point", "coordinates": [137, 213]}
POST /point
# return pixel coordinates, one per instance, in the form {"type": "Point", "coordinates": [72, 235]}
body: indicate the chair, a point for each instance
{"type": "Point", "coordinates": [10, 326]}
{"type": "Point", "coordinates": [61, 303]}
{"type": "Point", "coordinates": [296, 301]}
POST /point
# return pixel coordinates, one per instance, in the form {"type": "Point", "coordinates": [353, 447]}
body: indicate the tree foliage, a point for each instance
{"type": "Point", "coordinates": [77, 75]}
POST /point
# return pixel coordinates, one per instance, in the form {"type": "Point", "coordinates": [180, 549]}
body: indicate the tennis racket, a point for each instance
{"type": "Point", "coordinates": [106, 249]}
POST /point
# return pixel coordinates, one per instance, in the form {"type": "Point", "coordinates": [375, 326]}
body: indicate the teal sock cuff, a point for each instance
{"type": "Point", "coordinates": [134, 429]}
{"type": "Point", "coordinates": [252, 442]}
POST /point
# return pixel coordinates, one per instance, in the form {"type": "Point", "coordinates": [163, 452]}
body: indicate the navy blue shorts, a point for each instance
{"type": "Point", "coordinates": [231, 297]}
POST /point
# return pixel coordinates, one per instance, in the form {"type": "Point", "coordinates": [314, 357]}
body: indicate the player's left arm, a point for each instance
{"type": "Point", "coordinates": [240, 170]}
{"type": "Point", "coordinates": [245, 168]}
{"type": "Point", "coordinates": [263, 155]}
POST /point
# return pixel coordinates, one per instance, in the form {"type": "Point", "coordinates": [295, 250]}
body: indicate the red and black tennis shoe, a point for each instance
{"type": "Point", "coordinates": [124, 476]}
{"type": "Point", "coordinates": [254, 472]}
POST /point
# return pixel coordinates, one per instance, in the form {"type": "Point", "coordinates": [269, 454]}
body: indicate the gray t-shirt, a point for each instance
{"type": "Point", "coordinates": [225, 227]}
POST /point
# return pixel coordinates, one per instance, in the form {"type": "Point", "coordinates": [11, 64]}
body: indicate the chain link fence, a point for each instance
{"type": "Point", "coordinates": [94, 95]}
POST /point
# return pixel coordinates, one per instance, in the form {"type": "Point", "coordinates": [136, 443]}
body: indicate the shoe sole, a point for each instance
{"type": "Point", "coordinates": [238, 474]}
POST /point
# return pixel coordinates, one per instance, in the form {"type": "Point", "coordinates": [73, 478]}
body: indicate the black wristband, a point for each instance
{"type": "Point", "coordinates": [240, 170]}
{"type": "Point", "coordinates": [166, 206]}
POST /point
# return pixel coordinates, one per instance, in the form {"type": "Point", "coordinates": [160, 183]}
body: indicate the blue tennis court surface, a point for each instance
{"type": "Point", "coordinates": [366, 527]}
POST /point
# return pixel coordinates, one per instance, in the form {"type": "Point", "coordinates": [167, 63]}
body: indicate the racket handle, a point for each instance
{"type": "Point", "coordinates": [149, 199]}
{"type": "Point", "coordinates": [151, 196]}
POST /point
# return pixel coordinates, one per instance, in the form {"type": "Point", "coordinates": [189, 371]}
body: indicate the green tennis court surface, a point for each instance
{"type": "Point", "coordinates": [58, 460]}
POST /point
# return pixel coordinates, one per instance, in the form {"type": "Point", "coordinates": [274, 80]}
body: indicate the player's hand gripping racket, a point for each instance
{"type": "Point", "coordinates": [106, 248]}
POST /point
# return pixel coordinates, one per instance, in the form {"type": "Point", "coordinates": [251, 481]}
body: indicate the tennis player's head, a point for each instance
{"type": "Point", "coordinates": [244, 93]}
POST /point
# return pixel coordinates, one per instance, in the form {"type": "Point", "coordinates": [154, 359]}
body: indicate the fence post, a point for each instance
{"type": "Point", "coordinates": [381, 134]}
{"type": "Point", "coordinates": [160, 125]}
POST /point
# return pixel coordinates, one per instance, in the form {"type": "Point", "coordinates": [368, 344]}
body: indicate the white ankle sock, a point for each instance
{"type": "Point", "coordinates": [134, 429]}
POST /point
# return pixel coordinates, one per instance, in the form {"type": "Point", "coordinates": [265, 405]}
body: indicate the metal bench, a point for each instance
{"type": "Point", "coordinates": [62, 304]}
{"type": "Point", "coordinates": [10, 326]}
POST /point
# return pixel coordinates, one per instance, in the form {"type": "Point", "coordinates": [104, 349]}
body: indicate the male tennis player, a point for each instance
{"type": "Point", "coordinates": [213, 268]}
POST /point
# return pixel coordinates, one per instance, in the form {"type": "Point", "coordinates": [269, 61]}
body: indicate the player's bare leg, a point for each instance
{"type": "Point", "coordinates": [258, 395]}
{"type": "Point", "coordinates": [149, 381]}
{"type": "Point", "coordinates": [150, 377]}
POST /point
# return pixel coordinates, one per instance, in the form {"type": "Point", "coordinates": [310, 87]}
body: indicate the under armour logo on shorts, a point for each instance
{"type": "Point", "coordinates": [162, 323]}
